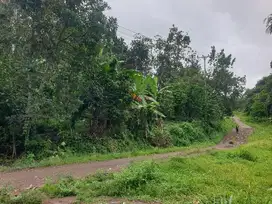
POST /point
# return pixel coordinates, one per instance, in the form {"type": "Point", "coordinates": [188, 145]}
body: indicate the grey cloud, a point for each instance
{"type": "Point", "coordinates": [236, 26]}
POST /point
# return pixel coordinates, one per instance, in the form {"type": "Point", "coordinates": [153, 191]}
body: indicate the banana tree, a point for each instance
{"type": "Point", "coordinates": [145, 92]}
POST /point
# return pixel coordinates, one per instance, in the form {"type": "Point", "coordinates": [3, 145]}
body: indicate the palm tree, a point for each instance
{"type": "Point", "coordinates": [268, 23]}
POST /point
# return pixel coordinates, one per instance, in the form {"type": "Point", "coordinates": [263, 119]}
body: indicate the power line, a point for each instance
{"type": "Point", "coordinates": [138, 33]}
{"type": "Point", "coordinates": [127, 35]}
{"type": "Point", "coordinates": [134, 31]}
{"type": "Point", "coordinates": [127, 29]}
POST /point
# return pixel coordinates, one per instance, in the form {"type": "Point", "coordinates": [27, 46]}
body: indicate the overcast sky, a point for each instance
{"type": "Point", "coordinates": [235, 25]}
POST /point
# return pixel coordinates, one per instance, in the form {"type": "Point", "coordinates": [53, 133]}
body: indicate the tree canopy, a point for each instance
{"type": "Point", "coordinates": [221, 77]}
{"type": "Point", "coordinates": [258, 101]}
{"type": "Point", "coordinates": [67, 77]}
{"type": "Point", "coordinates": [268, 24]}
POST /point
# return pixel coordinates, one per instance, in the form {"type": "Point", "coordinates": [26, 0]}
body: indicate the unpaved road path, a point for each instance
{"type": "Point", "coordinates": [37, 177]}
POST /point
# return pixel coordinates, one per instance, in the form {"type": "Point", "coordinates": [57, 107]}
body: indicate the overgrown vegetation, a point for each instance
{"type": "Point", "coordinates": [70, 85]}
{"type": "Point", "coordinates": [68, 157]}
{"type": "Point", "coordinates": [242, 175]}
{"type": "Point", "coordinates": [30, 197]}
{"type": "Point", "coordinates": [257, 102]}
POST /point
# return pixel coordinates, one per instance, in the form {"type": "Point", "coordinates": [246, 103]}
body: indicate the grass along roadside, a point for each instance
{"type": "Point", "coordinates": [84, 158]}
{"type": "Point", "coordinates": [69, 158]}
{"type": "Point", "coordinates": [240, 175]}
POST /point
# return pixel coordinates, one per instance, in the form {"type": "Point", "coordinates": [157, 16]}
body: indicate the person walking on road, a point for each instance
{"type": "Point", "coordinates": [237, 129]}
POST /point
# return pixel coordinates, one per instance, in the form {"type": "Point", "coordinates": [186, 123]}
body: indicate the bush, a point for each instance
{"type": "Point", "coordinates": [132, 179]}
{"type": "Point", "coordinates": [160, 138]}
{"type": "Point", "coordinates": [39, 147]}
{"type": "Point", "coordinates": [184, 134]}
{"type": "Point", "coordinates": [4, 195]}
{"type": "Point", "coordinates": [28, 197]}
{"type": "Point", "coordinates": [244, 154]}
{"type": "Point", "coordinates": [64, 188]}
{"type": "Point", "coordinates": [179, 138]}
{"type": "Point", "coordinates": [101, 176]}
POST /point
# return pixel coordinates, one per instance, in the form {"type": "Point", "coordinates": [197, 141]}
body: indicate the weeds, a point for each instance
{"type": "Point", "coordinates": [64, 188]}
{"type": "Point", "coordinates": [176, 133]}
{"type": "Point", "coordinates": [28, 197]}
{"type": "Point", "coordinates": [136, 177]}
{"type": "Point", "coordinates": [243, 154]}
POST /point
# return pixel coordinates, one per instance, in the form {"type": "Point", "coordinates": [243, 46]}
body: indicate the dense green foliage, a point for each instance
{"type": "Point", "coordinates": [228, 86]}
{"type": "Point", "coordinates": [258, 101]}
{"type": "Point", "coordinates": [63, 88]}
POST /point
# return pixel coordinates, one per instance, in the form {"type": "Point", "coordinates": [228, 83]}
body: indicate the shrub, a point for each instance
{"type": "Point", "coordinates": [178, 136]}
{"type": "Point", "coordinates": [244, 154]}
{"type": "Point", "coordinates": [101, 176]}
{"type": "Point", "coordinates": [4, 195]}
{"type": "Point", "coordinates": [65, 187]}
{"type": "Point", "coordinates": [160, 138]}
{"type": "Point", "coordinates": [134, 178]}
{"type": "Point", "coordinates": [28, 197]}
{"type": "Point", "coordinates": [184, 134]}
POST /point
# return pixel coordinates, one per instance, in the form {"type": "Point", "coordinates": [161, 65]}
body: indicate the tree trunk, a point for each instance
{"type": "Point", "coordinates": [146, 127]}
{"type": "Point", "coordinates": [26, 128]}
{"type": "Point", "coordinates": [14, 152]}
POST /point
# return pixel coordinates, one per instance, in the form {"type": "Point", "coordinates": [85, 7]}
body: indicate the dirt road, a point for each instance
{"type": "Point", "coordinates": [36, 177]}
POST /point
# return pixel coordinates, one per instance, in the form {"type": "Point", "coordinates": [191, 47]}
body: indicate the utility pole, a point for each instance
{"type": "Point", "coordinates": [205, 81]}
